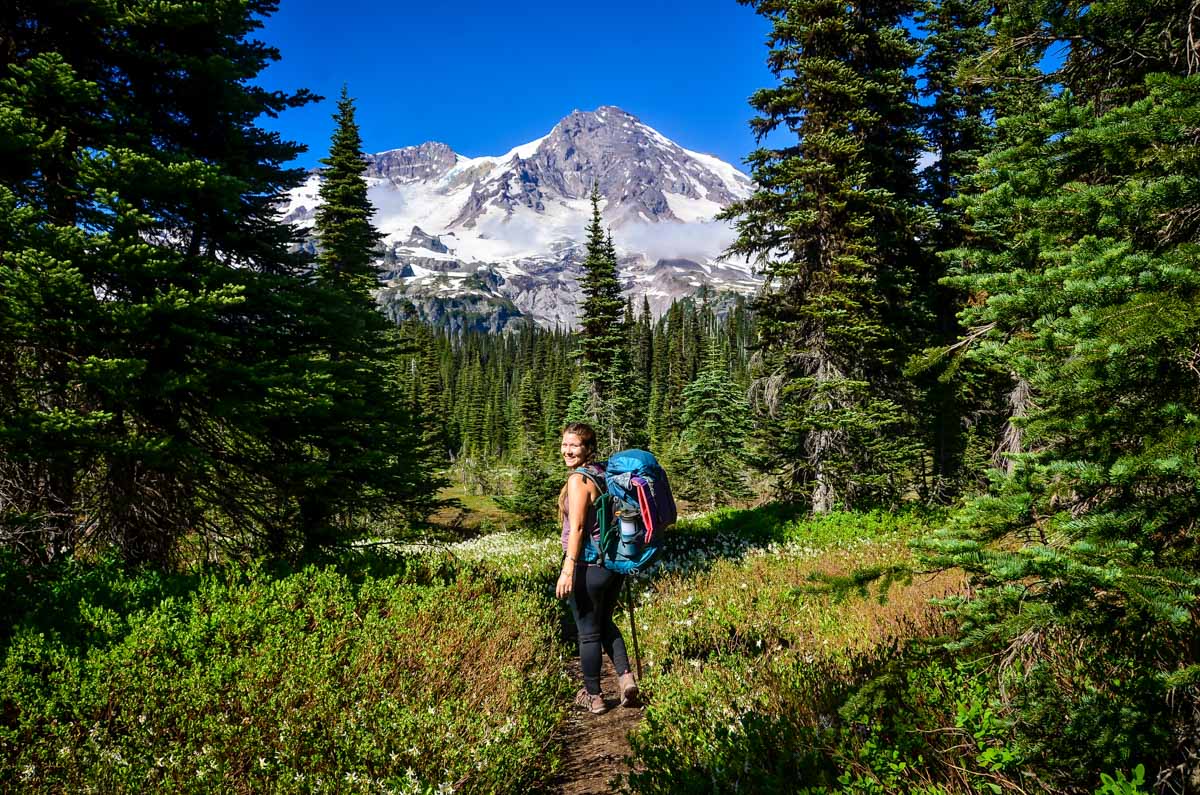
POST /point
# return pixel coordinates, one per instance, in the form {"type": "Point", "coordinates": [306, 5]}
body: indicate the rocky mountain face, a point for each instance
{"type": "Point", "coordinates": [412, 163]}
{"type": "Point", "coordinates": [483, 242]}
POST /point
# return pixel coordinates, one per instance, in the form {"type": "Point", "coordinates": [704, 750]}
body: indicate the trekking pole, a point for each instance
{"type": "Point", "coordinates": [637, 657]}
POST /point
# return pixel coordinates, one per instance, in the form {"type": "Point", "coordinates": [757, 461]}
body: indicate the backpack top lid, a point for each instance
{"type": "Point", "coordinates": [635, 462]}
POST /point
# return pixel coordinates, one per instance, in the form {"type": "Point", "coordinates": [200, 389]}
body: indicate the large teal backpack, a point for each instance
{"type": "Point", "coordinates": [635, 506]}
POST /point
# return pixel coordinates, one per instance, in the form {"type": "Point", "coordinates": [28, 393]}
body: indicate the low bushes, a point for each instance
{"type": "Point", "coordinates": [781, 665]}
{"type": "Point", "coordinates": [424, 678]}
{"type": "Point", "coordinates": [772, 664]}
{"type": "Point", "coordinates": [750, 658]}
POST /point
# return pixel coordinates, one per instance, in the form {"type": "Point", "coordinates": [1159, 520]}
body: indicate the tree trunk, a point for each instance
{"type": "Point", "coordinates": [1010, 439]}
{"type": "Point", "coordinates": [822, 443]}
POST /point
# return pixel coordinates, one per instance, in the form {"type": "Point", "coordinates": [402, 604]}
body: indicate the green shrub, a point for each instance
{"type": "Point", "coordinates": [534, 499]}
{"type": "Point", "coordinates": [1119, 785]}
{"type": "Point", "coordinates": [763, 676]}
{"type": "Point", "coordinates": [308, 681]}
{"type": "Point", "coordinates": [737, 724]}
{"type": "Point", "coordinates": [748, 667]}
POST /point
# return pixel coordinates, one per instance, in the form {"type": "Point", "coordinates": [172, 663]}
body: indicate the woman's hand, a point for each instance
{"type": "Point", "coordinates": [566, 583]}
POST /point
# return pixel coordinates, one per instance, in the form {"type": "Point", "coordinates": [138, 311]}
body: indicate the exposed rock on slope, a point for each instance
{"type": "Point", "coordinates": [480, 242]}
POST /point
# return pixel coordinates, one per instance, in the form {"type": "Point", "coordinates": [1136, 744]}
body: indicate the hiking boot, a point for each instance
{"type": "Point", "coordinates": [589, 703]}
{"type": "Point", "coordinates": [628, 688]}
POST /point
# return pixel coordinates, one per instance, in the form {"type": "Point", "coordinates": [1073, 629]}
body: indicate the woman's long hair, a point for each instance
{"type": "Point", "coordinates": [587, 435]}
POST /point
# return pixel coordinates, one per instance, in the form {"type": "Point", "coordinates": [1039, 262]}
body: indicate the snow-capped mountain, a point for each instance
{"type": "Point", "coordinates": [482, 241]}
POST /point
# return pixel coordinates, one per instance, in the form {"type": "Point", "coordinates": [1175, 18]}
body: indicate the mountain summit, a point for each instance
{"type": "Point", "coordinates": [481, 241]}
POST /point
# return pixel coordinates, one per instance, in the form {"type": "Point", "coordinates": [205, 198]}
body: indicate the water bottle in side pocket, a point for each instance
{"type": "Point", "coordinates": [632, 535]}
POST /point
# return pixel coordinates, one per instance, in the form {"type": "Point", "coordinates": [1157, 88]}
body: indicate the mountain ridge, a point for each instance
{"type": "Point", "coordinates": [502, 235]}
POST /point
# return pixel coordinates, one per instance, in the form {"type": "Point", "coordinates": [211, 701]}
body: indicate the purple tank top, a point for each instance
{"type": "Point", "coordinates": [591, 524]}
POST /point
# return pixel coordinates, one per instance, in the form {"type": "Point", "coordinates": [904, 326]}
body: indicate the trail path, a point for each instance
{"type": "Point", "coordinates": [597, 745]}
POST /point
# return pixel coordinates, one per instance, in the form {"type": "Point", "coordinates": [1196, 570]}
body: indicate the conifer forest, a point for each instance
{"type": "Point", "coordinates": [939, 478]}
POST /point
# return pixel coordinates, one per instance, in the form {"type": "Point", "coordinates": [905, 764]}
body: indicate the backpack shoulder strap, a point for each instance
{"type": "Point", "coordinates": [595, 477]}
{"type": "Point", "coordinates": [603, 509]}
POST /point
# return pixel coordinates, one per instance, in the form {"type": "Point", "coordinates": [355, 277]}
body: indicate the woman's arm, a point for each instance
{"type": "Point", "coordinates": [578, 499]}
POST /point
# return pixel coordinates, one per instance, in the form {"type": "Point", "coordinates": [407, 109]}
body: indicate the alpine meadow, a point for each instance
{"type": "Point", "coordinates": [281, 485]}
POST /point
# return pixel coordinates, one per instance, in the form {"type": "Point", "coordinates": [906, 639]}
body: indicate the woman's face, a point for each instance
{"type": "Point", "coordinates": [574, 451]}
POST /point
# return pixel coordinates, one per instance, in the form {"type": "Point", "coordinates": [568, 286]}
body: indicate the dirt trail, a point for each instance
{"type": "Point", "coordinates": [597, 746]}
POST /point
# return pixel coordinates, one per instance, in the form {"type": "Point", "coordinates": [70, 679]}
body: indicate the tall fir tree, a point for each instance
{"type": "Point", "coordinates": [1085, 251]}
{"type": "Point", "coordinates": [601, 310]}
{"type": "Point", "coordinates": [368, 443]}
{"type": "Point", "coordinates": [346, 236]}
{"type": "Point", "coordinates": [602, 334]}
{"type": "Point", "coordinates": [152, 319]}
{"type": "Point", "coordinates": [835, 225]}
{"type": "Point", "coordinates": [427, 393]}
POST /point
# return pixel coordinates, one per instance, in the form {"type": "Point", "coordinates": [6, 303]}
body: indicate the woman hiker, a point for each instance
{"type": "Point", "coordinates": [591, 588]}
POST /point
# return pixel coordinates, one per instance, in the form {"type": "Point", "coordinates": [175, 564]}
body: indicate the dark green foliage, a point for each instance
{"type": "Point", "coordinates": [172, 373]}
{"type": "Point", "coordinates": [834, 225]}
{"type": "Point", "coordinates": [956, 133]}
{"type": "Point", "coordinates": [1119, 43]}
{"type": "Point", "coordinates": [495, 397]}
{"type": "Point", "coordinates": [1092, 292]}
{"type": "Point", "coordinates": [149, 310]}
{"type": "Point", "coordinates": [955, 127]}
{"type": "Point", "coordinates": [429, 403]}
{"type": "Point", "coordinates": [1073, 247]}
{"type": "Point", "coordinates": [600, 312]}
{"type": "Point", "coordinates": [608, 392]}
{"type": "Point", "coordinates": [381, 674]}
{"type": "Point", "coordinates": [502, 400]}
{"type": "Point", "coordinates": [887, 744]}
{"type": "Point", "coordinates": [343, 220]}
{"type": "Point", "coordinates": [373, 449]}
{"type": "Point", "coordinates": [712, 462]}
{"type": "Point", "coordinates": [534, 500]}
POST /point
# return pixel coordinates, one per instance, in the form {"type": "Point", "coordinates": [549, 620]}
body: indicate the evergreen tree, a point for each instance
{"type": "Point", "coordinates": [505, 397]}
{"type": "Point", "coordinates": [555, 400]}
{"type": "Point", "coordinates": [957, 133]}
{"type": "Point", "coordinates": [343, 219]}
{"type": "Point", "coordinates": [600, 313]}
{"type": "Point", "coordinates": [835, 224]}
{"type": "Point", "coordinates": [1086, 248]}
{"type": "Point", "coordinates": [955, 127]}
{"type": "Point", "coordinates": [534, 500]}
{"type": "Point", "coordinates": [678, 369]}
{"type": "Point", "coordinates": [427, 392]}
{"type": "Point", "coordinates": [716, 429]}
{"type": "Point", "coordinates": [603, 335]}
{"type": "Point", "coordinates": [623, 412]}
{"type": "Point", "coordinates": [981, 62]}
{"type": "Point", "coordinates": [368, 438]}
{"type": "Point", "coordinates": [151, 319]}
{"type": "Point", "coordinates": [529, 413]}
{"type": "Point", "coordinates": [642, 345]}
{"type": "Point", "coordinates": [659, 423]}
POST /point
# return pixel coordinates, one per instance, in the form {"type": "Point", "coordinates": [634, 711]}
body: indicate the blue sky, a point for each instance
{"type": "Point", "coordinates": [484, 77]}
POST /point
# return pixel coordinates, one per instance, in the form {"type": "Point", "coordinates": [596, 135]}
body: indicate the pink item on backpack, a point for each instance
{"type": "Point", "coordinates": [644, 505]}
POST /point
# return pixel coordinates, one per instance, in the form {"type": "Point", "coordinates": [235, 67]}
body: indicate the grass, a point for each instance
{"type": "Point", "coordinates": [475, 513]}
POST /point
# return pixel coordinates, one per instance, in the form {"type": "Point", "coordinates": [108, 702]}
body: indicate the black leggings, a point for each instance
{"type": "Point", "coordinates": [592, 601]}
